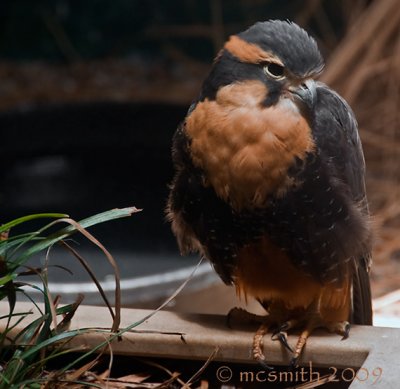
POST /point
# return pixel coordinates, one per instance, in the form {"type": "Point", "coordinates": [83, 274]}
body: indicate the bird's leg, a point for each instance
{"type": "Point", "coordinates": [313, 321]}
{"type": "Point", "coordinates": [276, 316]}
{"type": "Point", "coordinates": [258, 353]}
{"type": "Point", "coordinates": [340, 327]}
{"type": "Point", "coordinates": [301, 342]}
{"type": "Point", "coordinates": [241, 316]}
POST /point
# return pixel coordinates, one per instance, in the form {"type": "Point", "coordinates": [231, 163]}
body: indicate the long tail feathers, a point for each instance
{"type": "Point", "coordinates": [362, 301]}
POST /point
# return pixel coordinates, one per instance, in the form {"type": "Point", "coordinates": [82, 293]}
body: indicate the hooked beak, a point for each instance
{"type": "Point", "coordinates": [306, 91]}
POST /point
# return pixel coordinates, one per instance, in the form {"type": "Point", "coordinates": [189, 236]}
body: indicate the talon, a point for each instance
{"type": "Point", "coordinates": [261, 360]}
{"type": "Point", "coordinates": [341, 328]}
{"type": "Point", "coordinates": [294, 362]}
{"type": "Point", "coordinates": [346, 331]}
{"type": "Point", "coordinates": [282, 337]}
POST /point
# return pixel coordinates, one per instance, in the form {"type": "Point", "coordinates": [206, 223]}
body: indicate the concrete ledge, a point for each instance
{"type": "Point", "coordinates": [196, 336]}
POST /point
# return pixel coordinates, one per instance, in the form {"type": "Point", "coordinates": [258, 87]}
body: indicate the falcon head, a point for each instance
{"type": "Point", "coordinates": [280, 54]}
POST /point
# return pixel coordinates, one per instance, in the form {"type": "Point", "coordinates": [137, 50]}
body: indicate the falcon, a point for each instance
{"type": "Point", "coordinates": [269, 186]}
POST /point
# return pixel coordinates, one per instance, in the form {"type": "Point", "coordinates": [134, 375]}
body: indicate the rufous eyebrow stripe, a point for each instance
{"type": "Point", "coordinates": [249, 52]}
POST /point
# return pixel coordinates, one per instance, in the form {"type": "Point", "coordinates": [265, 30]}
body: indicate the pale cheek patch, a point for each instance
{"type": "Point", "coordinates": [246, 150]}
{"type": "Point", "coordinates": [286, 104]}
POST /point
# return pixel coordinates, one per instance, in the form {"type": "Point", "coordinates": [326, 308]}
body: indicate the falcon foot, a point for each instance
{"type": "Point", "coordinates": [241, 316]}
{"type": "Point", "coordinates": [308, 324]}
{"type": "Point", "coordinates": [315, 321]}
{"type": "Point", "coordinates": [279, 334]}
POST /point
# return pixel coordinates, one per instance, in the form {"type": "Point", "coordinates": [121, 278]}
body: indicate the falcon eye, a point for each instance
{"type": "Point", "coordinates": [274, 70]}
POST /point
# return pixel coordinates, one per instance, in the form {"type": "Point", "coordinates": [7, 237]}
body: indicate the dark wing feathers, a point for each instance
{"type": "Point", "coordinates": [336, 134]}
{"type": "Point", "coordinates": [210, 219]}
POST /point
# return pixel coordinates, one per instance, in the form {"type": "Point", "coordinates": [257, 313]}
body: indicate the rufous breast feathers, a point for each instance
{"type": "Point", "coordinates": [245, 148]}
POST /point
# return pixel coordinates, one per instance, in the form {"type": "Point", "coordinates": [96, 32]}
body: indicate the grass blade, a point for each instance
{"type": "Point", "coordinates": [72, 228]}
{"type": "Point", "coordinates": [24, 219]}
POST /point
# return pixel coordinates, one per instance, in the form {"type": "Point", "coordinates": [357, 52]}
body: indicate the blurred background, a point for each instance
{"type": "Point", "coordinates": [92, 91]}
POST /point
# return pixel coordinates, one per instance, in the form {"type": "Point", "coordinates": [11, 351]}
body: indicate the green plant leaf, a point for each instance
{"type": "Point", "coordinates": [7, 278]}
{"type": "Point", "coordinates": [24, 219]}
{"type": "Point", "coordinates": [71, 229]}
{"type": "Point", "coordinates": [16, 242]}
{"type": "Point", "coordinates": [48, 342]}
